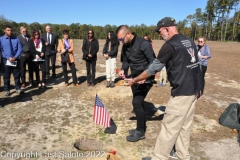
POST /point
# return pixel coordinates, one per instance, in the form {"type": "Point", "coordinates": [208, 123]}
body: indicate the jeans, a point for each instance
{"type": "Point", "coordinates": [7, 73]}
{"type": "Point", "coordinates": [204, 69]}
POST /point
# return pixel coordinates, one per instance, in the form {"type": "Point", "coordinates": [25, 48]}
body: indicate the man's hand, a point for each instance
{"type": "Point", "coordinates": [121, 74]}
{"type": "Point", "coordinates": [42, 54]}
{"type": "Point", "coordinates": [141, 82]}
{"type": "Point", "coordinates": [11, 59]}
{"type": "Point", "coordinates": [89, 55]}
{"type": "Point", "coordinates": [130, 81]}
{"type": "Point", "coordinates": [106, 55]}
{"type": "Point", "coordinates": [46, 43]}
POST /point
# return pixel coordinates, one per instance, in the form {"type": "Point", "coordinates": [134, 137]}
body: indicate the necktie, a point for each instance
{"type": "Point", "coordinates": [11, 47]}
{"type": "Point", "coordinates": [25, 38]}
{"type": "Point", "coordinates": [48, 38]}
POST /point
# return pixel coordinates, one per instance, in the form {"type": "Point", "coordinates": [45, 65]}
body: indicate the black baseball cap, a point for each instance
{"type": "Point", "coordinates": [165, 22]}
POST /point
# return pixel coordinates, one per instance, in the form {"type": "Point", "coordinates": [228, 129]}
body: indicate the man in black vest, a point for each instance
{"type": "Point", "coordinates": [25, 57]}
{"type": "Point", "coordinates": [137, 54]}
{"type": "Point", "coordinates": [180, 56]}
{"type": "Point", "coordinates": [51, 50]}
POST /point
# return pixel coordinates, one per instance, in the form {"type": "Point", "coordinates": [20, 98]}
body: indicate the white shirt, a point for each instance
{"type": "Point", "coordinates": [50, 37]}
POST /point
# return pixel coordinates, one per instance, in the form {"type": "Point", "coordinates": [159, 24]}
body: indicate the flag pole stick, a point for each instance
{"type": "Point", "coordinates": [95, 126]}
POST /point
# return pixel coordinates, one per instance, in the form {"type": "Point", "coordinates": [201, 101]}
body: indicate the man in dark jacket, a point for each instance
{"type": "Point", "coordinates": [90, 48]}
{"type": "Point", "coordinates": [180, 56]}
{"type": "Point", "coordinates": [137, 54]}
{"type": "Point", "coordinates": [25, 57]}
{"type": "Point", "coordinates": [51, 50]}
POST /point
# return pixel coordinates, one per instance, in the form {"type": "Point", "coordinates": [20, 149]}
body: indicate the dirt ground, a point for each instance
{"type": "Point", "coordinates": [48, 122]}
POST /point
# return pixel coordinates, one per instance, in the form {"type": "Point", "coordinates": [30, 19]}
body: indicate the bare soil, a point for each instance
{"type": "Point", "coordinates": [49, 121]}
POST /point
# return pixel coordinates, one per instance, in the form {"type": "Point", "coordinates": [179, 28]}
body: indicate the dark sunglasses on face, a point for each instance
{"type": "Point", "coordinates": [123, 38]}
{"type": "Point", "coordinates": [200, 41]}
{"type": "Point", "coordinates": [89, 33]}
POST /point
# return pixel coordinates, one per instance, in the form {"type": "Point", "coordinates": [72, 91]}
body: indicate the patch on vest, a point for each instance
{"type": "Point", "coordinates": [191, 52]}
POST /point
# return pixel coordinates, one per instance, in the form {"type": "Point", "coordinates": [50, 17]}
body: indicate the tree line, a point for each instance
{"type": "Point", "coordinates": [214, 23]}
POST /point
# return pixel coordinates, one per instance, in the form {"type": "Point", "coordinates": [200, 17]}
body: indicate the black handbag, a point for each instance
{"type": "Point", "coordinates": [65, 57]}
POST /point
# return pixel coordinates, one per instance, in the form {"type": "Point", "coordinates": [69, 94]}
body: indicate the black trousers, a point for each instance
{"type": "Point", "coordinates": [7, 73]}
{"type": "Point", "coordinates": [204, 69]}
{"type": "Point", "coordinates": [35, 66]}
{"type": "Point", "coordinates": [139, 93]}
{"type": "Point", "coordinates": [73, 70]}
{"type": "Point", "coordinates": [23, 62]}
{"type": "Point", "coordinates": [91, 71]}
{"type": "Point", "coordinates": [51, 58]}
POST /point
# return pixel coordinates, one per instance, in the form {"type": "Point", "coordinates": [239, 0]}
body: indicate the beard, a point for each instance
{"type": "Point", "coordinates": [165, 38]}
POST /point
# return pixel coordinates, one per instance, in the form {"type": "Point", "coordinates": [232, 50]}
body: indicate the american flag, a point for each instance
{"type": "Point", "coordinates": [101, 115]}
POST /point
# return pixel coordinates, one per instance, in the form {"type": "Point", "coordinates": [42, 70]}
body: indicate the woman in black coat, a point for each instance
{"type": "Point", "coordinates": [90, 48]}
{"type": "Point", "coordinates": [37, 49]}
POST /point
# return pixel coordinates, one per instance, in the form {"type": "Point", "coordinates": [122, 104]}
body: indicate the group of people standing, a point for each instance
{"type": "Point", "coordinates": [34, 51]}
{"type": "Point", "coordinates": [185, 63]}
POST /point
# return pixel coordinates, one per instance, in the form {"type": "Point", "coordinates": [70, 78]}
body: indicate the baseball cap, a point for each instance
{"type": "Point", "coordinates": [165, 22]}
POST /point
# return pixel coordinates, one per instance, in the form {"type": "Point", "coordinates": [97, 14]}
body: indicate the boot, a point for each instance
{"type": "Point", "coordinates": [112, 85]}
{"type": "Point", "coordinates": [108, 84]}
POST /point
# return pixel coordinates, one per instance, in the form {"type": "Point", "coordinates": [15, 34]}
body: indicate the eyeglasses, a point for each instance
{"type": "Point", "coordinates": [90, 33]}
{"type": "Point", "coordinates": [36, 34]}
{"type": "Point", "coordinates": [200, 41]}
{"type": "Point", "coordinates": [24, 31]}
{"type": "Point", "coordinates": [123, 38]}
{"type": "Point", "coordinates": [159, 32]}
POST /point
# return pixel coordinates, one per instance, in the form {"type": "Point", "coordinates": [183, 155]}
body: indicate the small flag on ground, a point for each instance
{"type": "Point", "coordinates": [101, 115]}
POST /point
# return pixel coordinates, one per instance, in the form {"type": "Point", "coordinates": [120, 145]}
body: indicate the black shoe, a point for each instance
{"type": "Point", "coordinates": [112, 85]}
{"type": "Point", "coordinates": [108, 84]}
{"type": "Point", "coordinates": [131, 131]}
{"type": "Point", "coordinates": [7, 94]}
{"type": "Point", "coordinates": [173, 154]}
{"type": "Point", "coordinates": [135, 136]}
{"type": "Point", "coordinates": [146, 158]}
{"type": "Point", "coordinates": [54, 75]}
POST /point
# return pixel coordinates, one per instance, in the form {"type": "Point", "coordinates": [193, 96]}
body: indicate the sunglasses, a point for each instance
{"type": "Point", "coordinates": [36, 34]}
{"type": "Point", "coordinates": [90, 33]}
{"type": "Point", "coordinates": [159, 32]}
{"type": "Point", "coordinates": [123, 38]}
{"type": "Point", "coordinates": [200, 41]}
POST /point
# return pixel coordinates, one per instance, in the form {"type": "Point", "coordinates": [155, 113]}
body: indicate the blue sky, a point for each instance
{"type": "Point", "coordinates": [98, 12]}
